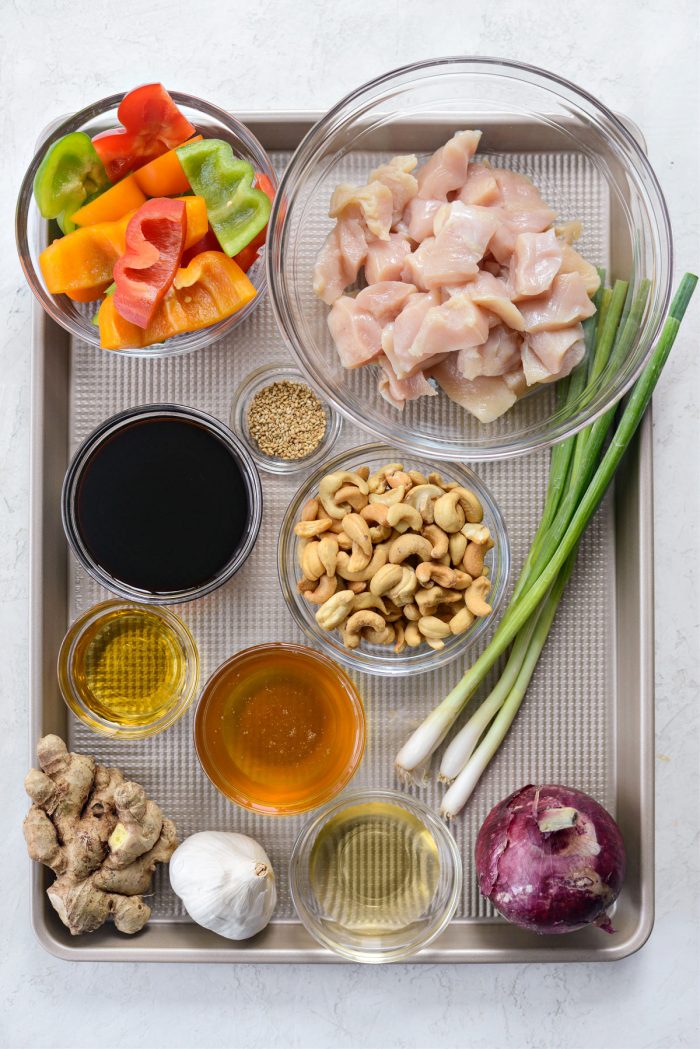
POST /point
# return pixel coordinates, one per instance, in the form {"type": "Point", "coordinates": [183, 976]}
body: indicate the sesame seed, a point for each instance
{"type": "Point", "coordinates": [287, 420]}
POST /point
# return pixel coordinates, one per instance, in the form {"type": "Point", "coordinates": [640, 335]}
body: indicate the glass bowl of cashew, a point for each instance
{"type": "Point", "coordinates": [389, 565]}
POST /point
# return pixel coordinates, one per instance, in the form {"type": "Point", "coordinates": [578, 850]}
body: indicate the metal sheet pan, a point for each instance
{"type": "Point", "coordinates": [588, 719]}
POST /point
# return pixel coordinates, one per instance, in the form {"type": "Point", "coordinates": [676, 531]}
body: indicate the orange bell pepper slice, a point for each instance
{"type": "Point", "coordinates": [211, 288]}
{"type": "Point", "coordinates": [88, 294]}
{"type": "Point", "coordinates": [164, 176]}
{"type": "Point", "coordinates": [85, 258]}
{"type": "Point", "coordinates": [112, 204]}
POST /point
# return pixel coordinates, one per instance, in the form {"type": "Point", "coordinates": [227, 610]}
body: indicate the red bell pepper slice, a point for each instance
{"type": "Point", "coordinates": [209, 242]}
{"type": "Point", "coordinates": [155, 239]}
{"type": "Point", "coordinates": [152, 124]}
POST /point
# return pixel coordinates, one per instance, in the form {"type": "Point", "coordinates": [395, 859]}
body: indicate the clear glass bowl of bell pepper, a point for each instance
{"type": "Point", "coordinates": [201, 280]}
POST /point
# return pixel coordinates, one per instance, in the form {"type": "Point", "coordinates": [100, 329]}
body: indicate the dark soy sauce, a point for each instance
{"type": "Point", "coordinates": [162, 505]}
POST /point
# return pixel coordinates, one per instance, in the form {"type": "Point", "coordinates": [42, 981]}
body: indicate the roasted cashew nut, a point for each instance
{"type": "Point", "coordinates": [309, 511]}
{"type": "Point", "coordinates": [473, 561]}
{"type": "Point", "coordinates": [423, 497]}
{"type": "Point", "coordinates": [309, 529]}
{"type": "Point", "coordinates": [457, 546]}
{"type": "Point", "coordinates": [443, 575]}
{"type": "Point", "coordinates": [366, 600]}
{"type": "Point", "coordinates": [326, 588]}
{"type": "Point", "coordinates": [335, 610]}
{"type": "Point", "coordinates": [409, 545]}
{"type": "Point", "coordinates": [357, 529]}
{"type": "Point", "coordinates": [375, 513]}
{"type": "Point", "coordinates": [328, 553]}
{"type": "Point", "coordinates": [476, 533]}
{"type": "Point", "coordinates": [351, 495]}
{"type": "Point", "coordinates": [461, 621]}
{"type": "Point", "coordinates": [411, 612]}
{"type": "Point", "coordinates": [412, 635]}
{"type": "Point", "coordinates": [438, 538]}
{"type": "Point", "coordinates": [402, 517]}
{"type": "Point", "coordinates": [390, 498]}
{"type": "Point", "coordinates": [456, 507]}
{"type": "Point", "coordinates": [398, 479]}
{"type": "Point", "coordinates": [377, 482]}
{"type": "Point", "coordinates": [358, 559]}
{"type": "Point", "coordinates": [365, 619]}
{"type": "Point", "coordinates": [432, 627]}
{"type": "Point", "coordinates": [417, 477]}
{"type": "Point", "coordinates": [357, 587]}
{"type": "Point", "coordinates": [475, 597]}
{"type": "Point", "coordinates": [311, 563]}
{"type": "Point", "coordinates": [379, 559]}
{"type": "Point", "coordinates": [385, 579]}
{"type": "Point", "coordinates": [400, 638]}
{"type": "Point", "coordinates": [402, 592]}
{"type": "Point", "coordinates": [331, 484]}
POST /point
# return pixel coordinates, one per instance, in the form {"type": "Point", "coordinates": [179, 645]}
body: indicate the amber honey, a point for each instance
{"type": "Point", "coordinates": [279, 728]}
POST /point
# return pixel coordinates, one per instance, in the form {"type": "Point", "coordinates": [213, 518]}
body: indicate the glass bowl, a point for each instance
{"type": "Point", "coordinates": [320, 767]}
{"type": "Point", "coordinates": [108, 706]}
{"type": "Point", "coordinates": [252, 385]}
{"type": "Point", "coordinates": [585, 161]}
{"type": "Point", "coordinates": [381, 659]}
{"type": "Point", "coordinates": [33, 235]}
{"type": "Point", "coordinates": [384, 943]}
{"type": "Point", "coordinates": [103, 434]}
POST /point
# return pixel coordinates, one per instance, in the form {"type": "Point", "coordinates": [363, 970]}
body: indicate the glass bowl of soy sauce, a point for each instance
{"type": "Point", "coordinates": [162, 504]}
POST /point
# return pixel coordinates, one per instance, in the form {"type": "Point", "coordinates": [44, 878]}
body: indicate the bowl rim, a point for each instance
{"type": "Point", "coordinates": [189, 341]}
{"type": "Point", "coordinates": [113, 424]}
{"type": "Point", "coordinates": [99, 724]}
{"type": "Point", "coordinates": [441, 834]}
{"type": "Point", "coordinates": [354, 699]}
{"type": "Point", "coordinates": [393, 665]}
{"type": "Point", "coordinates": [303, 156]}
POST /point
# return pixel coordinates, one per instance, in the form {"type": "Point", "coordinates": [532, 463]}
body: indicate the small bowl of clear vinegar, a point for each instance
{"type": "Point", "coordinates": [128, 670]}
{"type": "Point", "coordinates": [376, 876]}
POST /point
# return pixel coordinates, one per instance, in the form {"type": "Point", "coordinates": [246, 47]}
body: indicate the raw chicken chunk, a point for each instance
{"type": "Point", "coordinates": [454, 325]}
{"type": "Point", "coordinates": [486, 397]}
{"type": "Point", "coordinates": [385, 258]}
{"type": "Point", "coordinates": [537, 258]}
{"type": "Point", "coordinates": [492, 294]}
{"type": "Point", "coordinates": [500, 353]}
{"type": "Point", "coordinates": [572, 262]}
{"type": "Point", "coordinates": [462, 233]}
{"type": "Point", "coordinates": [338, 264]}
{"type": "Point", "coordinates": [356, 324]}
{"type": "Point", "coordinates": [397, 177]}
{"type": "Point", "coordinates": [566, 303]}
{"type": "Point", "coordinates": [481, 186]}
{"type": "Point", "coordinates": [404, 331]}
{"type": "Point", "coordinates": [418, 218]}
{"type": "Point", "coordinates": [374, 203]}
{"type": "Point", "coordinates": [549, 355]}
{"type": "Point", "coordinates": [397, 391]}
{"type": "Point", "coordinates": [446, 170]}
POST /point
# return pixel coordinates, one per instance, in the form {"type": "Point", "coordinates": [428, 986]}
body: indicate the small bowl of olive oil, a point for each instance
{"type": "Point", "coordinates": [375, 876]}
{"type": "Point", "coordinates": [128, 670]}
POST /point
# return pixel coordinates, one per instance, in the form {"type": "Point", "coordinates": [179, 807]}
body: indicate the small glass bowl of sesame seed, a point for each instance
{"type": "Point", "coordinates": [285, 424]}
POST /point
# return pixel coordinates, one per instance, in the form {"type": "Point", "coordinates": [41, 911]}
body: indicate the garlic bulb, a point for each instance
{"type": "Point", "coordinates": [226, 883]}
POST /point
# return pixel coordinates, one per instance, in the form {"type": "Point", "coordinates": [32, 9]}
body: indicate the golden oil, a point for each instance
{"type": "Point", "coordinates": [374, 868]}
{"type": "Point", "coordinates": [129, 666]}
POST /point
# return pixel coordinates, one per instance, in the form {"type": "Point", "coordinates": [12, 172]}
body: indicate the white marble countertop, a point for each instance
{"type": "Point", "coordinates": [641, 58]}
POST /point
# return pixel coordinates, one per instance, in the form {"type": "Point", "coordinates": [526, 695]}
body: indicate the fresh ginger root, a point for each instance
{"type": "Point", "coordinates": [99, 833]}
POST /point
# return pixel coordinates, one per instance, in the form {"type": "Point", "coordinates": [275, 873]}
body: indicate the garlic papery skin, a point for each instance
{"type": "Point", "coordinates": [225, 881]}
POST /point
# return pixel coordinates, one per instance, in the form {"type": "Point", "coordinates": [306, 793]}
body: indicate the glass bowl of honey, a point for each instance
{"type": "Point", "coordinates": [279, 729]}
{"type": "Point", "coordinates": [375, 876]}
{"type": "Point", "coordinates": [127, 670]}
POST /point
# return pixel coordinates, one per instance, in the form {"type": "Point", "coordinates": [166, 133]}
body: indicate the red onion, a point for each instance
{"type": "Point", "coordinates": [550, 859]}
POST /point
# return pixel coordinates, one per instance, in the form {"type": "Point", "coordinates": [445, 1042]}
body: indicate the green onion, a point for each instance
{"type": "Point", "coordinates": [579, 479]}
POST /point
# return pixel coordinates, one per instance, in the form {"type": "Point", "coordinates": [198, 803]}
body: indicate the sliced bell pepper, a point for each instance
{"type": "Point", "coordinates": [155, 238]}
{"type": "Point", "coordinates": [70, 172]}
{"type": "Point", "coordinates": [122, 198]}
{"type": "Point", "coordinates": [85, 258]}
{"type": "Point", "coordinates": [211, 288]}
{"type": "Point", "coordinates": [88, 294]}
{"type": "Point", "coordinates": [152, 124]}
{"type": "Point", "coordinates": [164, 176]}
{"type": "Point", "coordinates": [249, 254]}
{"type": "Point", "coordinates": [237, 211]}
{"type": "Point", "coordinates": [207, 243]}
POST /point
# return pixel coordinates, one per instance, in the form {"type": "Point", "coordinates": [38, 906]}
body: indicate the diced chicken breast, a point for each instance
{"type": "Point", "coordinates": [397, 391]}
{"type": "Point", "coordinates": [537, 258]}
{"type": "Point", "coordinates": [385, 258]}
{"type": "Point", "coordinates": [456, 324]}
{"type": "Point", "coordinates": [569, 232]}
{"type": "Point", "coordinates": [492, 294]}
{"type": "Point", "coordinates": [552, 346]}
{"type": "Point", "coordinates": [500, 353]}
{"type": "Point", "coordinates": [572, 262]}
{"type": "Point", "coordinates": [462, 232]}
{"type": "Point", "coordinates": [374, 203]}
{"type": "Point", "coordinates": [343, 253]}
{"type": "Point", "coordinates": [536, 371]}
{"type": "Point", "coordinates": [397, 177]}
{"type": "Point", "coordinates": [447, 169]}
{"type": "Point", "coordinates": [516, 190]}
{"type": "Point", "coordinates": [481, 186]}
{"type": "Point", "coordinates": [404, 331]}
{"type": "Point", "coordinates": [418, 218]}
{"type": "Point", "coordinates": [566, 303]}
{"type": "Point", "coordinates": [356, 324]}
{"type": "Point", "coordinates": [486, 397]}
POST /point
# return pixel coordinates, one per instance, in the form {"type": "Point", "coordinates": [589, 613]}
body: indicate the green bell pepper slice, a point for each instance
{"type": "Point", "coordinates": [236, 210]}
{"type": "Point", "coordinates": [69, 174]}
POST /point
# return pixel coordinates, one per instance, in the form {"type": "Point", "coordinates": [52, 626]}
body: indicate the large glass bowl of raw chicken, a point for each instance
{"type": "Point", "coordinates": [437, 248]}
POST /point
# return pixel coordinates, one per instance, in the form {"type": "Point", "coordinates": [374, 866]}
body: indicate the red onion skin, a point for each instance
{"type": "Point", "coordinates": [550, 882]}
